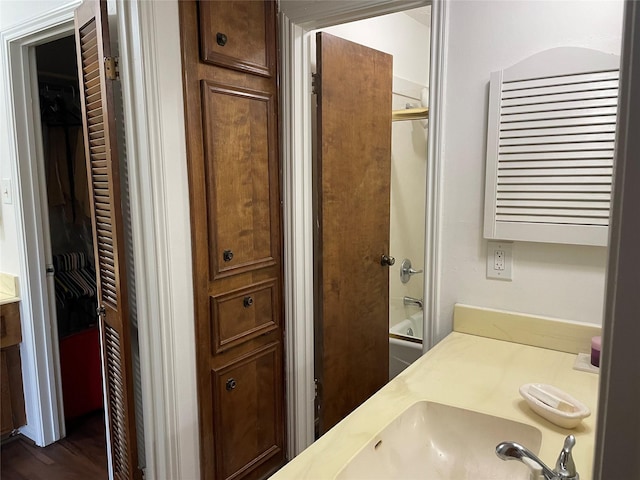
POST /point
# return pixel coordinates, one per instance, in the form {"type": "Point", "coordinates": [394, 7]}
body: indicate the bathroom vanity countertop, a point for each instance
{"type": "Point", "coordinates": [4, 298]}
{"type": "Point", "coordinates": [465, 371]}
{"type": "Point", "coordinates": [8, 288]}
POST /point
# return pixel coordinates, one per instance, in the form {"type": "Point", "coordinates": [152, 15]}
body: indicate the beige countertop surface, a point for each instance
{"type": "Point", "coordinates": [8, 288]}
{"type": "Point", "coordinates": [6, 298]}
{"type": "Point", "coordinates": [466, 371]}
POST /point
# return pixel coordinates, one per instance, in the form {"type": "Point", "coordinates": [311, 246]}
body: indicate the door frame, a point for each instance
{"type": "Point", "coordinates": [150, 50]}
{"type": "Point", "coordinates": [39, 347]}
{"type": "Point", "coordinates": [296, 25]}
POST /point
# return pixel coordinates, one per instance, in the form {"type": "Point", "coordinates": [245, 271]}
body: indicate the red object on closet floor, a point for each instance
{"type": "Point", "coordinates": [80, 367]}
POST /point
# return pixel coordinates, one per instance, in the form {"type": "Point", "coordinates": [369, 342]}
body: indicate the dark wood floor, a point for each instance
{"type": "Point", "coordinates": [81, 455]}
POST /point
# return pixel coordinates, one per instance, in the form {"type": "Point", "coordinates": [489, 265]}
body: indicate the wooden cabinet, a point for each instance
{"type": "Point", "coordinates": [239, 34]}
{"type": "Point", "coordinates": [248, 410]}
{"type": "Point", "coordinates": [231, 112]}
{"type": "Point", "coordinates": [12, 413]}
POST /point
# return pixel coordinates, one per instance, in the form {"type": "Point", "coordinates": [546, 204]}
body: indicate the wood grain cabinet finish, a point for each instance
{"type": "Point", "coordinates": [231, 116]}
{"type": "Point", "coordinates": [12, 412]}
{"type": "Point", "coordinates": [243, 202]}
{"type": "Point", "coordinates": [238, 34]}
{"type": "Point", "coordinates": [244, 314]}
{"type": "Point", "coordinates": [246, 402]}
{"type": "Point", "coordinates": [10, 331]}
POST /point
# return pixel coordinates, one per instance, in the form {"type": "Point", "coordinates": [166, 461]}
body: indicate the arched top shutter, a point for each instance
{"type": "Point", "coordinates": [550, 148]}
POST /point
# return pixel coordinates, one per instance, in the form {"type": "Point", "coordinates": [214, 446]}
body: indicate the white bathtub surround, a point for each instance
{"type": "Point", "coordinates": [406, 350]}
{"type": "Point", "coordinates": [406, 223]}
{"type": "Point", "coordinates": [466, 371]}
{"type": "Point", "coordinates": [409, 327]}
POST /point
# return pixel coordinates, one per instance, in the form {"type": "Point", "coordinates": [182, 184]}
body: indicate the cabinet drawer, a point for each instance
{"type": "Point", "coordinates": [10, 333]}
{"type": "Point", "coordinates": [243, 314]}
{"type": "Point", "coordinates": [238, 34]}
{"type": "Point", "coordinates": [248, 421]}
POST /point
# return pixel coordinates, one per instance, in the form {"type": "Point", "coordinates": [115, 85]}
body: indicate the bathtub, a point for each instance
{"type": "Point", "coordinates": [405, 344]}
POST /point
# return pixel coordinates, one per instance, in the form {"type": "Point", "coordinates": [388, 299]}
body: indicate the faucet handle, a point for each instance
{"type": "Point", "coordinates": [565, 466]}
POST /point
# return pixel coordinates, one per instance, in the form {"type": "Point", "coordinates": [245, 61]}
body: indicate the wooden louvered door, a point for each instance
{"type": "Point", "coordinates": [93, 47]}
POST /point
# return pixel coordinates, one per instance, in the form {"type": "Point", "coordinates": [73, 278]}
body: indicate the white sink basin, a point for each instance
{"type": "Point", "coordinates": [438, 442]}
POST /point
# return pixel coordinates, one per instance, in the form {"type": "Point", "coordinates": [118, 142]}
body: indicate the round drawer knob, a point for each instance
{"type": "Point", "coordinates": [227, 255]}
{"type": "Point", "coordinates": [221, 39]}
{"type": "Point", "coordinates": [231, 384]}
{"type": "Point", "coordinates": [247, 302]}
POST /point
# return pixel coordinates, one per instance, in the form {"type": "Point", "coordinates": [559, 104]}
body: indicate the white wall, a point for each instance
{"type": "Point", "coordinates": [13, 13]}
{"type": "Point", "coordinates": [396, 34]}
{"type": "Point", "coordinates": [484, 36]}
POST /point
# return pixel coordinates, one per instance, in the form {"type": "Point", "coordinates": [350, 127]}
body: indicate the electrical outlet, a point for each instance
{"type": "Point", "coordinates": [500, 260]}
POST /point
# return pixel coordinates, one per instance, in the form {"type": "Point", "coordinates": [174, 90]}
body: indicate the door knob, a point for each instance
{"type": "Point", "coordinates": [387, 260]}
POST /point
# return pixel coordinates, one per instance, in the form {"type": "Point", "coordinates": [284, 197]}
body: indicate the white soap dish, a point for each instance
{"type": "Point", "coordinates": [557, 406]}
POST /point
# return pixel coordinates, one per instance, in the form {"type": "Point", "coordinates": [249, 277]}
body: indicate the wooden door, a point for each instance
{"type": "Point", "coordinates": [231, 112]}
{"type": "Point", "coordinates": [101, 151]}
{"type": "Point", "coordinates": [352, 185]}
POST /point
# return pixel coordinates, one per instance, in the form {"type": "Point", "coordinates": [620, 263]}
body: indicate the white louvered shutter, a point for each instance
{"type": "Point", "coordinates": [550, 146]}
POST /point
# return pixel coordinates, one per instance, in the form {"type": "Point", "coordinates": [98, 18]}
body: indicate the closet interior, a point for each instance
{"type": "Point", "coordinates": [70, 231]}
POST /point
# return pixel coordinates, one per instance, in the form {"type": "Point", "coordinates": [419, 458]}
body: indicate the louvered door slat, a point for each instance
{"type": "Point", "coordinates": [566, 79]}
{"type": "Point", "coordinates": [555, 155]}
{"type": "Point", "coordinates": [550, 148]}
{"type": "Point", "coordinates": [103, 178]}
{"type": "Point", "coordinates": [561, 139]}
{"type": "Point", "coordinates": [557, 113]}
{"type": "Point", "coordinates": [570, 146]}
{"type": "Point", "coordinates": [567, 163]}
{"type": "Point", "coordinates": [555, 88]}
{"type": "Point", "coordinates": [558, 130]}
{"type": "Point", "coordinates": [560, 106]}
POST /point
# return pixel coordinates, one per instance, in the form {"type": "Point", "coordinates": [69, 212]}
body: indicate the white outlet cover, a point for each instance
{"type": "Point", "coordinates": [507, 272]}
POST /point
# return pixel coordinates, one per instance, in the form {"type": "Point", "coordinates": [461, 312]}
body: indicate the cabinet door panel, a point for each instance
{"type": "Point", "coordinates": [10, 333]}
{"type": "Point", "coordinates": [244, 314]}
{"type": "Point", "coordinates": [6, 414]}
{"type": "Point", "coordinates": [247, 426]}
{"type": "Point", "coordinates": [241, 168]}
{"type": "Point", "coordinates": [235, 34]}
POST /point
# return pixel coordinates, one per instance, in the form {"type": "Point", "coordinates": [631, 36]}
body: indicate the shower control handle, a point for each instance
{"type": "Point", "coordinates": [406, 271]}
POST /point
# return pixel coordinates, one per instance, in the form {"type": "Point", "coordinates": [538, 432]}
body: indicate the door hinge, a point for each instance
{"type": "Point", "coordinates": [100, 311]}
{"type": "Point", "coordinates": [315, 83]}
{"type": "Point", "coordinates": [111, 67]}
{"type": "Point", "coordinates": [49, 269]}
{"type": "Point", "coordinates": [315, 386]}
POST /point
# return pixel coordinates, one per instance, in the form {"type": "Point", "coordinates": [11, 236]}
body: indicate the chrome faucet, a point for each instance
{"type": "Point", "coordinates": [412, 301]}
{"type": "Point", "coordinates": [565, 467]}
